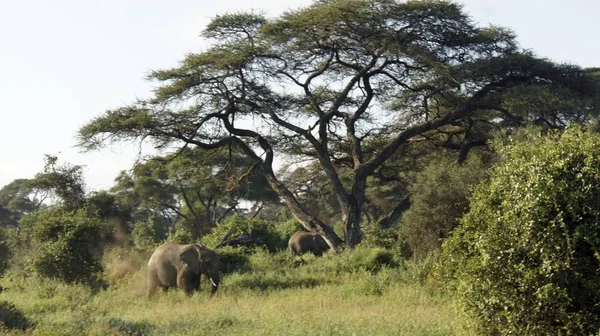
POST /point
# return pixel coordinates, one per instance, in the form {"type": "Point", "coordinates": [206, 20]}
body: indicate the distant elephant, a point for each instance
{"type": "Point", "coordinates": [302, 242]}
{"type": "Point", "coordinates": [174, 265]}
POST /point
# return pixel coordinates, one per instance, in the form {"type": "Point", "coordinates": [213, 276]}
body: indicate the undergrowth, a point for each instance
{"type": "Point", "coordinates": [365, 291]}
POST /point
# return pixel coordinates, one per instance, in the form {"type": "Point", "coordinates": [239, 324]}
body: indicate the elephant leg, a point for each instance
{"type": "Point", "coordinates": [295, 249]}
{"type": "Point", "coordinates": [195, 282]}
{"type": "Point", "coordinates": [184, 283]}
{"type": "Point", "coordinates": [152, 283]}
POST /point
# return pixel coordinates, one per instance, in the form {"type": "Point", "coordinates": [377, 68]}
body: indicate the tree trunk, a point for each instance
{"type": "Point", "coordinates": [352, 210]}
{"type": "Point", "coordinates": [352, 218]}
{"type": "Point", "coordinates": [309, 222]}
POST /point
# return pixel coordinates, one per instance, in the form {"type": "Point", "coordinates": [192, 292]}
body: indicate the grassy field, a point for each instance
{"type": "Point", "coordinates": [274, 295]}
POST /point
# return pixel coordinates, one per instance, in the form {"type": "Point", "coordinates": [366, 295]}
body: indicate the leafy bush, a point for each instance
{"type": "Point", "coordinates": [526, 258]}
{"type": "Point", "coordinates": [365, 258]}
{"type": "Point", "coordinates": [70, 246]}
{"type": "Point", "coordinates": [261, 260]}
{"type": "Point", "coordinates": [148, 234]}
{"type": "Point", "coordinates": [182, 234]}
{"type": "Point", "coordinates": [371, 259]}
{"type": "Point", "coordinates": [12, 318]}
{"type": "Point", "coordinates": [233, 259]}
{"type": "Point", "coordinates": [387, 238]}
{"type": "Point", "coordinates": [271, 234]}
{"type": "Point", "coordinates": [438, 199]}
{"type": "Point", "coordinates": [5, 252]}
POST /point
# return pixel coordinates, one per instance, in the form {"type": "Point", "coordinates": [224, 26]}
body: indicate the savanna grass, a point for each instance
{"type": "Point", "coordinates": [277, 295]}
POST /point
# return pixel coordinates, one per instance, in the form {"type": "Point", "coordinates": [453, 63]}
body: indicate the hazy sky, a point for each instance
{"type": "Point", "coordinates": [63, 62]}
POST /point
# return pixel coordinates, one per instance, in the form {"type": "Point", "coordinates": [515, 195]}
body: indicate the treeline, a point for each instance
{"type": "Point", "coordinates": [400, 125]}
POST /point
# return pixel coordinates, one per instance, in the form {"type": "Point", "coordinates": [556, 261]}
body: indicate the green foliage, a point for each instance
{"type": "Point", "coordinates": [259, 269]}
{"type": "Point", "coordinates": [361, 258]}
{"type": "Point", "coordinates": [261, 260]}
{"type": "Point", "coordinates": [388, 238]}
{"type": "Point", "coordinates": [271, 234]}
{"type": "Point", "coordinates": [183, 234]}
{"type": "Point", "coordinates": [191, 189]}
{"type": "Point", "coordinates": [107, 206]}
{"type": "Point", "coordinates": [233, 259]}
{"type": "Point", "coordinates": [70, 245]}
{"type": "Point", "coordinates": [439, 198]}
{"type": "Point", "coordinates": [64, 181]}
{"type": "Point", "coordinates": [148, 234]}
{"type": "Point", "coordinates": [269, 302]}
{"type": "Point", "coordinates": [12, 318]}
{"type": "Point", "coordinates": [5, 252]}
{"type": "Point", "coordinates": [526, 258]}
{"type": "Point", "coordinates": [372, 259]}
{"type": "Point", "coordinates": [19, 198]}
{"type": "Point", "coordinates": [340, 66]}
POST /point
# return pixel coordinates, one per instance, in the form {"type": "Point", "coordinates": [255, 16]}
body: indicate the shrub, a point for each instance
{"type": "Point", "coordinates": [12, 318]}
{"type": "Point", "coordinates": [181, 235]}
{"type": "Point", "coordinates": [364, 258]}
{"type": "Point", "coordinates": [371, 259]}
{"type": "Point", "coordinates": [261, 260]}
{"type": "Point", "coordinates": [148, 234]}
{"type": "Point", "coordinates": [233, 259]}
{"type": "Point", "coordinates": [438, 199]}
{"type": "Point", "coordinates": [387, 238]}
{"type": "Point", "coordinates": [70, 246]}
{"type": "Point", "coordinates": [5, 252]}
{"type": "Point", "coordinates": [526, 258]}
{"type": "Point", "coordinates": [271, 234]}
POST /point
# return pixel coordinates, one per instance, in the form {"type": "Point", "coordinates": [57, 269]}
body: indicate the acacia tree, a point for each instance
{"type": "Point", "coordinates": [64, 182]}
{"type": "Point", "coordinates": [195, 188]}
{"type": "Point", "coordinates": [328, 79]}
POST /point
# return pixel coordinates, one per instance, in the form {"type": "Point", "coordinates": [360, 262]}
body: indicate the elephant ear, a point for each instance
{"type": "Point", "coordinates": [207, 256]}
{"type": "Point", "coordinates": [190, 256]}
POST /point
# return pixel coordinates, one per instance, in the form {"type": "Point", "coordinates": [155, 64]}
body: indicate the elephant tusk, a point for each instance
{"type": "Point", "coordinates": [213, 282]}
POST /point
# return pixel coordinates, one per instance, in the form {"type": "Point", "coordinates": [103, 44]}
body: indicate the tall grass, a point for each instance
{"type": "Point", "coordinates": [361, 292]}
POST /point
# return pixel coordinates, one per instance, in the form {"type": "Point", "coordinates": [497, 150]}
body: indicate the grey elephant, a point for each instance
{"type": "Point", "coordinates": [181, 266]}
{"type": "Point", "coordinates": [302, 242]}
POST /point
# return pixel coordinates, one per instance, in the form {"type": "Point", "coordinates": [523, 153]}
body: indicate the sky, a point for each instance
{"type": "Point", "coordinates": [64, 62]}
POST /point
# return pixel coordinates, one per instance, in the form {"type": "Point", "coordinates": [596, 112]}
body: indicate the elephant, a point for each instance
{"type": "Point", "coordinates": [175, 265]}
{"type": "Point", "coordinates": [302, 242]}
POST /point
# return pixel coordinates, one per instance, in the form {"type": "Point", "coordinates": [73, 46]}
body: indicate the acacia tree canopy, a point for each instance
{"type": "Point", "coordinates": [334, 76]}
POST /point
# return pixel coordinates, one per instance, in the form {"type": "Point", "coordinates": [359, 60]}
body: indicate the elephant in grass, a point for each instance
{"type": "Point", "coordinates": [181, 266]}
{"type": "Point", "coordinates": [302, 242]}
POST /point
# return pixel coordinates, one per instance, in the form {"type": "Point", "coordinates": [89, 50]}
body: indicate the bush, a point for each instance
{"type": "Point", "coordinates": [233, 259]}
{"type": "Point", "coordinates": [360, 258]}
{"type": "Point", "coordinates": [261, 260]}
{"type": "Point", "coordinates": [526, 258]}
{"type": "Point", "coordinates": [12, 318]}
{"type": "Point", "coordinates": [387, 238]}
{"type": "Point", "coordinates": [70, 246]}
{"type": "Point", "coordinates": [148, 234]}
{"type": "Point", "coordinates": [271, 234]}
{"type": "Point", "coordinates": [439, 198]}
{"type": "Point", "coordinates": [5, 252]}
{"type": "Point", "coordinates": [371, 259]}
